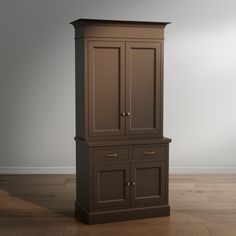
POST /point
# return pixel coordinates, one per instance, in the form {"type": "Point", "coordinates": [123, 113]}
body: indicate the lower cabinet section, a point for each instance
{"type": "Point", "coordinates": [126, 182]}
{"type": "Point", "coordinates": [116, 185]}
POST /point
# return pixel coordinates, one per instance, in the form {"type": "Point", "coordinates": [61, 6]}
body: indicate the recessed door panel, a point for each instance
{"type": "Point", "coordinates": [149, 179]}
{"type": "Point", "coordinates": [110, 188]}
{"type": "Point", "coordinates": [106, 88]}
{"type": "Point", "coordinates": [143, 88]}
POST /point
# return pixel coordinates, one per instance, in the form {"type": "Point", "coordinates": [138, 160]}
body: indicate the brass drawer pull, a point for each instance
{"type": "Point", "coordinates": [150, 153]}
{"type": "Point", "coordinates": [111, 155]}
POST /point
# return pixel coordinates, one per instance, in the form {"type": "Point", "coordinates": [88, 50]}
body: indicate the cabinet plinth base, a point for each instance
{"type": "Point", "coordinates": [120, 215]}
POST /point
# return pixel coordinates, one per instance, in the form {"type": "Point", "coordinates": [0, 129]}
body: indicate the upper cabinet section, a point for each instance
{"type": "Point", "coordinates": [119, 29]}
{"type": "Point", "coordinates": [119, 79]}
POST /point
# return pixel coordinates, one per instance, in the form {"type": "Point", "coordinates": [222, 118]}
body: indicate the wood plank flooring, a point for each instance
{"type": "Point", "coordinates": [43, 205]}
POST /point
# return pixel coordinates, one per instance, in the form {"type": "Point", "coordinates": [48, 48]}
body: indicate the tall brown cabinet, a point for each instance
{"type": "Point", "coordinates": [121, 155]}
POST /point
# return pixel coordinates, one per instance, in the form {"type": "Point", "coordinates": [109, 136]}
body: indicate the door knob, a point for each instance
{"type": "Point", "coordinates": [133, 183]}
{"type": "Point", "coordinates": [127, 113]}
{"type": "Point", "coordinates": [128, 184]}
{"type": "Point", "coordinates": [122, 113]}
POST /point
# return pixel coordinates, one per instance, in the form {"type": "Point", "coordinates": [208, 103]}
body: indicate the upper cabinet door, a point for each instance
{"type": "Point", "coordinates": [106, 73]}
{"type": "Point", "coordinates": [143, 88]}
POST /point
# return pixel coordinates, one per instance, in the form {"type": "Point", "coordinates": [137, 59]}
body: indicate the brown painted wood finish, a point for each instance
{"type": "Point", "coordinates": [122, 156]}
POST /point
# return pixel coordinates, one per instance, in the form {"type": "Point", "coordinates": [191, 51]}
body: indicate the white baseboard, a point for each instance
{"type": "Point", "coordinates": [202, 170]}
{"type": "Point", "coordinates": [71, 170]}
{"type": "Point", "coordinates": [37, 170]}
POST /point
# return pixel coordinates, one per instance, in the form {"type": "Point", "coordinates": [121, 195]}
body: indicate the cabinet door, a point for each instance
{"type": "Point", "coordinates": [148, 182]}
{"type": "Point", "coordinates": [106, 88]}
{"type": "Point", "coordinates": [111, 185]}
{"type": "Point", "coordinates": [143, 88]}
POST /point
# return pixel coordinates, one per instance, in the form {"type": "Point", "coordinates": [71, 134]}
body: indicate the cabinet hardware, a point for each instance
{"type": "Point", "coordinates": [127, 113]}
{"type": "Point", "coordinates": [128, 184]}
{"type": "Point", "coordinates": [122, 113]}
{"type": "Point", "coordinates": [133, 183]}
{"type": "Point", "coordinates": [150, 153]}
{"type": "Point", "coordinates": [111, 155]}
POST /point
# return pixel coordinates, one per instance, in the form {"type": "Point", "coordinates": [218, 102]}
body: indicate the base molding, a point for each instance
{"type": "Point", "coordinates": [45, 170]}
{"type": "Point", "coordinates": [202, 170]}
{"type": "Point", "coordinates": [120, 215]}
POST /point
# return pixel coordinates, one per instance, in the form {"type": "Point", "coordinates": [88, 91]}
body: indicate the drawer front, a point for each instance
{"type": "Point", "coordinates": [110, 155]}
{"type": "Point", "coordinates": [150, 152]}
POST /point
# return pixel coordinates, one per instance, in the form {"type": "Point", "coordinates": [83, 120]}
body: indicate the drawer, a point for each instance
{"type": "Point", "coordinates": [110, 155]}
{"type": "Point", "coordinates": [150, 152]}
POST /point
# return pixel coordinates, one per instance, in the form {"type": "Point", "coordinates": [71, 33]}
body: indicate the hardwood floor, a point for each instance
{"type": "Point", "coordinates": [43, 205]}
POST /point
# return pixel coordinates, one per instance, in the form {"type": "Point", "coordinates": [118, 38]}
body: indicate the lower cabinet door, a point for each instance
{"type": "Point", "coordinates": [148, 182]}
{"type": "Point", "coordinates": [111, 185]}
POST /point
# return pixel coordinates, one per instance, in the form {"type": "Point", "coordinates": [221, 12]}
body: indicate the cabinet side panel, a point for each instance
{"type": "Point", "coordinates": [82, 176]}
{"type": "Point", "coordinates": [79, 86]}
{"type": "Point", "coordinates": [167, 174]}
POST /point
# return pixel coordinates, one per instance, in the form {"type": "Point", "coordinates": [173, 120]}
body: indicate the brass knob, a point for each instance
{"type": "Point", "coordinates": [128, 184]}
{"type": "Point", "coordinates": [133, 183]}
{"type": "Point", "coordinates": [127, 113]}
{"type": "Point", "coordinates": [122, 113]}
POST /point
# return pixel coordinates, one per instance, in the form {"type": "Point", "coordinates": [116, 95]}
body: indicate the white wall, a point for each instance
{"type": "Point", "coordinates": [37, 81]}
